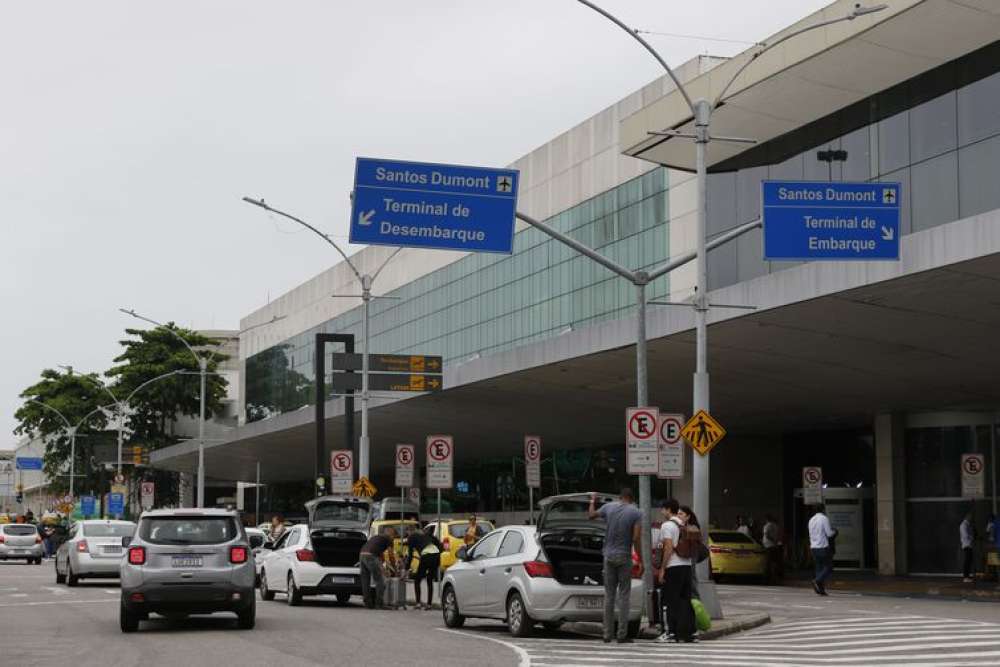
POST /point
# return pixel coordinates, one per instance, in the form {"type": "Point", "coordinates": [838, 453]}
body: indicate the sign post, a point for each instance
{"type": "Point", "coordinates": [671, 443]}
{"type": "Point", "coordinates": [426, 205]}
{"type": "Point", "coordinates": [405, 459]}
{"type": "Point", "coordinates": [146, 495]}
{"type": "Point", "coordinates": [440, 454]}
{"type": "Point", "coordinates": [532, 470]}
{"type": "Point", "coordinates": [641, 454]}
{"type": "Point", "coordinates": [812, 485]}
{"type": "Point", "coordinates": [811, 220]}
{"type": "Point", "coordinates": [973, 476]}
{"type": "Point", "coordinates": [341, 471]}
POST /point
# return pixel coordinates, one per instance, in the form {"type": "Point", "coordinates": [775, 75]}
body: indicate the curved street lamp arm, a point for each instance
{"type": "Point", "coordinates": [148, 382]}
{"type": "Point", "coordinates": [99, 384]}
{"type": "Point", "coordinates": [94, 412]}
{"type": "Point", "coordinates": [635, 35]}
{"type": "Point", "coordinates": [236, 336]}
{"type": "Point", "coordinates": [387, 260]}
{"type": "Point", "coordinates": [325, 237]}
{"type": "Point", "coordinates": [163, 326]}
{"type": "Point", "coordinates": [49, 407]}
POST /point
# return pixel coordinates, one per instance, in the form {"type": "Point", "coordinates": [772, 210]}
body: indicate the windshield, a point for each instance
{"type": "Point", "coordinates": [460, 529]}
{"type": "Point", "coordinates": [108, 529]}
{"type": "Point", "coordinates": [188, 529]}
{"type": "Point", "coordinates": [563, 512]}
{"type": "Point", "coordinates": [730, 537]}
{"type": "Point", "coordinates": [19, 529]}
{"type": "Point", "coordinates": [354, 512]}
{"type": "Point", "coordinates": [395, 524]}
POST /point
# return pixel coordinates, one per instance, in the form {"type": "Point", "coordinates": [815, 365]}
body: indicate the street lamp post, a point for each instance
{"type": "Point", "coordinates": [203, 363]}
{"type": "Point", "coordinates": [366, 281]}
{"type": "Point", "coordinates": [702, 110]}
{"type": "Point", "coordinates": [71, 430]}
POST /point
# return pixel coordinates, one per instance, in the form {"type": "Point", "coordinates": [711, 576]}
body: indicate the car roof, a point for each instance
{"type": "Point", "coordinates": [189, 511]}
{"type": "Point", "coordinates": [106, 521]}
{"type": "Point", "coordinates": [527, 530]}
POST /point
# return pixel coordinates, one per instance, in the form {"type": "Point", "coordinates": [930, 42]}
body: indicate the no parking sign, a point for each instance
{"type": "Point", "coordinates": [342, 471]}
{"type": "Point", "coordinates": [533, 460]}
{"type": "Point", "coordinates": [440, 454]}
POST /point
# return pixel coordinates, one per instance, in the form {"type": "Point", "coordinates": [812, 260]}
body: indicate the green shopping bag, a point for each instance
{"type": "Point", "coordinates": [701, 617]}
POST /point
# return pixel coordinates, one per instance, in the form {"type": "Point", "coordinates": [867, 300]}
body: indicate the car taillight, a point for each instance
{"type": "Point", "coordinates": [305, 555]}
{"type": "Point", "coordinates": [538, 568]}
{"type": "Point", "coordinates": [81, 546]}
{"type": "Point", "coordinates": [38, 539]}
{"type": "Point", "coordinates": [1, 539]}
{"type": "Point", "coordinates": [137, 555]}
{"type": "Point", "coordinates": [446, 544]}
{"type": "Point", "coordinates": [720, 550]}
{"type": "Point", "coordinates": [238, 555]}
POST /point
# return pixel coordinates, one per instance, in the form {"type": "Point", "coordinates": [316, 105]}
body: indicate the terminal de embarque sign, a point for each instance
{"type": "Point", "coordinates": [427, 205]}
{"type": "Point", "coordinates": [809, 220]}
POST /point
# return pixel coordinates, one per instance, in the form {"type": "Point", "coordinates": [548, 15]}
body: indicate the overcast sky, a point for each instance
{"type": "Point", "coordinates": [130, 130]}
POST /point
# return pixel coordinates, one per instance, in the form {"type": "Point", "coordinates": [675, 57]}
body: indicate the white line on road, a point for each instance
{"type": "Point", "coordinates": [110, 591]}
{"type": "Point", "coordinates": [38, 604]}
{"type": "Point", "coordinates": [19, 595]}
{"type": "Point", "coordinates": [523, 659]}
{"type": "Point", "coordinates": [55, 590]}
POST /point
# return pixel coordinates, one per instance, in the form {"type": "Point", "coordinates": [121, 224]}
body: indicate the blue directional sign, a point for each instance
{"type": "Point", "coordinates": [116, 504]}
{"type": "Point", "coordinates": [425, 205]}
{"type": "Point", "coordinates": [88, 506]}
{"type": "Point", "coordinates": [809, 220]}
{"type": "Point", "coordinates": [28, 463]}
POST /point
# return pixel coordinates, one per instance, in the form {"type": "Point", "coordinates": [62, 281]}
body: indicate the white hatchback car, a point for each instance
{"type": "Point", "coordinates": [92, 549]}
{"type": "Point", "coordinates": [525, 576]}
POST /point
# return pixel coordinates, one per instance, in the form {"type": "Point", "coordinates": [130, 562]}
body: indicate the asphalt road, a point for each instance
{"type": "Point", "coordinates": [47, 624]}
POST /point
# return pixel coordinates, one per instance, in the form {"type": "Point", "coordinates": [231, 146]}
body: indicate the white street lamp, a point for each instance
{"type": "Point", "coordinates": [71, 431]}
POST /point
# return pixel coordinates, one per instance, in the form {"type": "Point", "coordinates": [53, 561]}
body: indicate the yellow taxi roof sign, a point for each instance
{"type": "Point", "coordinates": [703, 432]}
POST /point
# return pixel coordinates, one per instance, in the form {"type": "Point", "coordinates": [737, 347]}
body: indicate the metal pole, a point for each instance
{"type": "Point", "coordinates": [645, 491]}
{"type": "Point", "coordinates": [121, 422]}
{"type": "Point", "coordinates": [701, 380]}
{"type": "Point", "coordinates": [440, 539]}
{"type": "Point", "coordinates": [993, 460]}
{"type": "Point", "coordinates": [363, 445]}
{"type": "Point", "coordinates": [531, 505]}
{"type": "Point", "coordinates": [256, 497]}
{"type": "Point", "coordinates": [72, 459]}
{"type": "Point", "coordinates": [203, 363]}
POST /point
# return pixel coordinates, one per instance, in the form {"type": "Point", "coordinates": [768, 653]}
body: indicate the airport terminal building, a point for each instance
{"type": "Point", "coordinates": [882, 373]}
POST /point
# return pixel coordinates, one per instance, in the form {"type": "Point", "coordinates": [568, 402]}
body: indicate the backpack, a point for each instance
{"type": "Point", "coordinates": [690, 539]}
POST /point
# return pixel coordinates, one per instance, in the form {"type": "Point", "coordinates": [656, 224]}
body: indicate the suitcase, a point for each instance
{"type": "Point", "coordinates": [395, 593]}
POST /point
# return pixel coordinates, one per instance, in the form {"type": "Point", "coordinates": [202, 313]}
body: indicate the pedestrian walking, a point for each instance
{"type": "Point", "coordinates": [674, 575]}
{"type": "Point", "coordinates": [623, 526]}
{"type": "Point", "coordinates": [966, 536]}
{"type": "Point", "coordinates": [371, 568]}
{"type": "Point", "coordinates": [428, 549]}
{"type": "Point", "coordinates": [820, 535]}
{"type": "Point", "coordinates": [771, 538]}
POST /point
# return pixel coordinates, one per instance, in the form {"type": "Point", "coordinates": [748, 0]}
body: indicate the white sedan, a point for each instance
{"type": "Point", "coordinates": [549, 576]}
{"type": "Point", "coordinates": [93, 549]}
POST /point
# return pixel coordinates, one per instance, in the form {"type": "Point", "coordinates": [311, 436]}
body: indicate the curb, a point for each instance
{"type": "Point", "coordinates": [723, 627]}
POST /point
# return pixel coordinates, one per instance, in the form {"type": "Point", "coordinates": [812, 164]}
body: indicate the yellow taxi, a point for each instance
{"type": "Point", "coordinates": [451, 533]}
{"type": "Point", "coordinates": [398, 547]}
{"type": "Point", "coordinates": [734, 554]}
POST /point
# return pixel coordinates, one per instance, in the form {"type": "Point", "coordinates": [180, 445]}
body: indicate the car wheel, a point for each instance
{"type": "Point", "coordinates": [265, 592]}
{"type": "Point", "coordinates": [71, 579]}
{"type": "Point", "coordinates": [449, 607]}
{"type": "Point", "coordinates": [128, 621]}
{"type": "Point", "coordinates": [343, 598]}
{"type": "Point", "coordinates": [294, 595]}
{"type": "Point", "coordinates": [552, 626]}
{"type": "Point", "coordinates": [247, 618]}
{"type": "Point", "coordinates": [518, 620]}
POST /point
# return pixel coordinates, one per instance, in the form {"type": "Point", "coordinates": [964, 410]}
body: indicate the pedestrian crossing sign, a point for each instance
{"type": "Point", "coordinates": [702, 432]}
{"type": "Point", "coordinates": [364, 488]}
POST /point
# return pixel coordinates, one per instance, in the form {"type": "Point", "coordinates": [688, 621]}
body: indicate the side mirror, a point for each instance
{"type": "Point", "coordinates": [126, 540]}
{"type": "Point", "coordinates": [256, 541]}
{"type": "Point", "coordinates": [269, 546]}
{"type": "Point", "coordinates": [463, 553]}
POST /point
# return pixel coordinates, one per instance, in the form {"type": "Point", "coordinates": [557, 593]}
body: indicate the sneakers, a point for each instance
{"type": "Point", "coordinates": [665, 637]}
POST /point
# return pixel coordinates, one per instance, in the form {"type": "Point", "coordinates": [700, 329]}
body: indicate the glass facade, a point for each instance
{"type": "Point", "coordinates": [485, 303]}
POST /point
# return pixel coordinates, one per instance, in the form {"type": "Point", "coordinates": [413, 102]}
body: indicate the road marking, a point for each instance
{"type": "Point", "coordinates": [19, 595]}
{"type": "Point", "coordinates": [56, 591]}
{"type": "Point", "coordinates": [39, 604]}
{"type": "Point", "coordinates": [110, 591]}
{"type": "Point", "coordinates": [524, 660]}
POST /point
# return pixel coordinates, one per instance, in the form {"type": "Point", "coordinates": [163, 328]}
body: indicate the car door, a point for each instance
{"type": "Point", "coordinates": [62, 553]}
{"type": "Point", "coordinates": [276, 567]}
{"type": "Point", "coordinates": [499, 570]}
{"type": "Point", "coordinates": [296, 539]}
{"type": "Point", "coordinates": [478, 561]}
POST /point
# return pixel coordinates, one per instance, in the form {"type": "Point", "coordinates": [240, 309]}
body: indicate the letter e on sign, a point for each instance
{"type": "Point", "coordinates": [532, 448]}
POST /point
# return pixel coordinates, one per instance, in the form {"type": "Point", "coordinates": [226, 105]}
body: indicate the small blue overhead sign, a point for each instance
{"type": "Point", "coordinates": [116, 504]}
{"type": "Point", "coordinates": [426, 205]}
{"type": "Point", "coordinates": [28, 463]}
{"type": "Point", "coordinates": [809, 220]}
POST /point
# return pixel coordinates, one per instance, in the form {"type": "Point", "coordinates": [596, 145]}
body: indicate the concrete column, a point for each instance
{"type": "Point", "coordinates": [890, 495]}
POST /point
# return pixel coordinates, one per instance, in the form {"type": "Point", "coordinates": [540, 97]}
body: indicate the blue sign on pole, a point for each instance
{"type": "Point", "coordinates": [810, 220]}
{"type": "Point", "coordinates": [116, 504]}
{"type": "Point", "coordinates": [425, 205]}
{"type": "Point", "coordinates": [28, 463]}
{"type": "Point", "coordinates": [88, 506]}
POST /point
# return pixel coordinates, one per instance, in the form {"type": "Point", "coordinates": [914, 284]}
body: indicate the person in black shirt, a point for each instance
{"type": "Point", "coordinates": [428, 550]}
{"type": "Point", "coordinates": [371, 567]}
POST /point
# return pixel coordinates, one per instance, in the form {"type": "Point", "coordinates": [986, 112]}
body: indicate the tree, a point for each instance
{"type": "Point", "coordinates": [75, 396]}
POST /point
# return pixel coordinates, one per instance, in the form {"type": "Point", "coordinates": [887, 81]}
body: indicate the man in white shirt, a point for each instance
{"type": "Point", "coordinates": [820, 532]}
{"type": "Point", "coordinates": [674, 576]}
{"type": "Point", "coordinates": [965, 537]}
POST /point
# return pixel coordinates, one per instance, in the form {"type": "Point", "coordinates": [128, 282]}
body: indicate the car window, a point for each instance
{"type": "Point", "coordinates": [293, 537]}
{"type": "Point", "coordinates": [18, 529]}
{"type": "Point", "coordinates": [487, 546]}
{"type": "Point", "coordinates": [512, 544]}
{"type": "Point", "coordinates": [459, 530]}
{"type": "Point", "coordinates": [108, 530]}
{"type": "Point", "coordinates": [354, 512]}
{"type": "Point", "coordinates": [731, 537]}
{"type": "Point", "coordinates": [280, 544]}
{"type": "Point", "coordinates": [188, 529]}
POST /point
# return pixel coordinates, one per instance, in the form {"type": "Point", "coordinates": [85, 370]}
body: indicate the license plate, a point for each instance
{"type": "Point", "coordinates": [186, 561]}
{"type": "Point", "coordinates": [590, 602]}
{"type": "Point", "coordinates": [20, 551]}
{"type": "Point", "coordinates": [342, 580]}
{"type": "Point", "coordinates": [112, 549]}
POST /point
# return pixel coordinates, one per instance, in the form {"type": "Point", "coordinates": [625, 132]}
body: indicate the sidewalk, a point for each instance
{"type": "Point", "coordinates": [732, 624]}
{"type": "Point", "coordinates": [864, 583]}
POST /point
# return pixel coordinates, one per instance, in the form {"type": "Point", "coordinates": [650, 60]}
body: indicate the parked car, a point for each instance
{"type": "Point", "coordinates": [321, 557]}
{"type": "Point", "coordinates": [391, 508]}
{"type": "Point", "coordinates": [734, 554]}
{"type": "Point", "coordinates": [92, 549]}
{"type": "Point", "coordinates": [526, 575]}
{"type": "Point", "coordinates": [187, 561]}
{"type": "Point", "coordinates": [21, 540]}
{"type": "Point", "coordinates": [451, 533]}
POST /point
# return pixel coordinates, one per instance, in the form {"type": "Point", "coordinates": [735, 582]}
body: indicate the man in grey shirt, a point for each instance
{"type": "Point", "coordinates": [623, 526]}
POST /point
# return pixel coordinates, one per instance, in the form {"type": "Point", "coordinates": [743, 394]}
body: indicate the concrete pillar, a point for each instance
{"type": "Point", "coordinates": [890, 494]}
{"type": "Point", "coordinates": [186, 490]}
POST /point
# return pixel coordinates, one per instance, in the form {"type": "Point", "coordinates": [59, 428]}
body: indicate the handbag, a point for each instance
{"type": "Point", "coordinates": [702, 554]}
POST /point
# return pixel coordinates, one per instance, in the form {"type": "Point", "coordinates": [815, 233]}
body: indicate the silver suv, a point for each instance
{"type": "Point", "coordinates": [187, 561]}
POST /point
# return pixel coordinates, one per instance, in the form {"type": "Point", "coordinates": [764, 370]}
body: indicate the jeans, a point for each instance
{"type": "Point", "coordinates": [824, 565]}
{"type": "Point", "coordinates": [617, 588]}
{"type": "Point", "coordinates": [371, 568]}
{"type": "Point", "coordinates": [675, 595]}
{"type": "Point", "coordinates": [427, 570]}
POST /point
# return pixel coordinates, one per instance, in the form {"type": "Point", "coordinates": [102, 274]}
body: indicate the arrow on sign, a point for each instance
{"type": "Point", "coordinates": [888, 233]}
{"type": "Point", "coordinates": [365, 218]}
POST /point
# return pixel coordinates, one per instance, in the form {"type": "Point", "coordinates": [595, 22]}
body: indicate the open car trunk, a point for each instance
{"type": "Point", "coordinates": [337, 547]}
{"type": "Point", "coordinates": [337, 529]}
{"type": "Point", "coordinates": [572, 542]}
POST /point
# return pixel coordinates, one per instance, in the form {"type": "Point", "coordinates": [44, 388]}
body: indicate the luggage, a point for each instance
{"type": "Point", "coordinates": [702, 620]}
{"type": "Point", "coordinates": [395, 592]}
